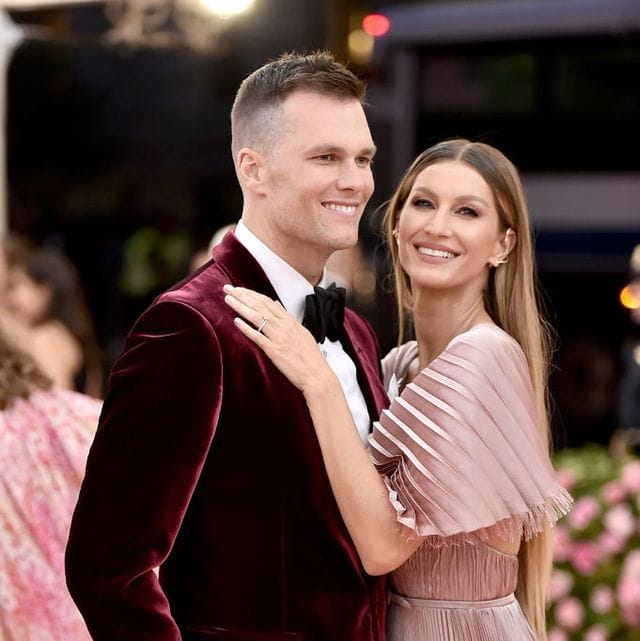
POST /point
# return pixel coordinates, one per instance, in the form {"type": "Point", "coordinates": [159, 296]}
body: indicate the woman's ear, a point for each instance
{"type": "Point", "coordinates": [251, 170]}
{"type": "Point", "coordinates": [506, 245]}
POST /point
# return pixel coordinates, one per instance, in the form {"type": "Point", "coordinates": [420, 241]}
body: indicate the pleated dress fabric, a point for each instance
{"type": "Point", "coordinates": [464, 463]}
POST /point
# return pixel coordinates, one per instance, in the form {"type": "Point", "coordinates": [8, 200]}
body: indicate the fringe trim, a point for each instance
{"type": "Point", "coordinates": [512, 527]}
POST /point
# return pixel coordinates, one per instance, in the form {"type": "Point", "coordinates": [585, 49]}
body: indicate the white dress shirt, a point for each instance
{"type": "Point", "coordinates": [292, 288]}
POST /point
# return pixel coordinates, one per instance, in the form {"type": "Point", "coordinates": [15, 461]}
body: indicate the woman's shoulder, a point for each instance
{"type": "Point", "coordinates": [488, 338]}
{"type": "Point", "coordinates": [55, 335]}
{"type": "Point", "coordinates": [57, 351]}
{"type": "Point", "coordinates": [484, 352]}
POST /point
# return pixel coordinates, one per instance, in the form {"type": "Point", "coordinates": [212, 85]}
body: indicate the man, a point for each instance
{"type": "Point", "coordinates": [205, 464]}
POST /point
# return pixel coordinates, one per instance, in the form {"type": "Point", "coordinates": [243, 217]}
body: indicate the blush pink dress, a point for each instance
{"type": "Point", "coordinates": [462, 458]}
{"type": "Point", "coordinates": [44, 443]}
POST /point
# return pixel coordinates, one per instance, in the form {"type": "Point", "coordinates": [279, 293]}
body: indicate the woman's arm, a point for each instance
{"type": "Point", "coordinates": [383, 544]}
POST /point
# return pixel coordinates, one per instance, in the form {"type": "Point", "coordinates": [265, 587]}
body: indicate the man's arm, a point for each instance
{"type": "Point", "coordinates": [155, 430]}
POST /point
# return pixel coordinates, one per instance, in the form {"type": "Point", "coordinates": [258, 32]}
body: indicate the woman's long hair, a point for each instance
{"type": "Point", "coordinates": [19, 374]}
{"type": "Point", "coordinates": [511, 299]}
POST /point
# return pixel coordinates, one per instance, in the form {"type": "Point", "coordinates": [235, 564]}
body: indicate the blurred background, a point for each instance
{"type": "Point", "coordinates": [117, 145]}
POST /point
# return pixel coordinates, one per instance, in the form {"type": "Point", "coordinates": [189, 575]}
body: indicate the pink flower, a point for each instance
{"type": "Point", "coordinates": [613, 492]}
{"type": "Point", "coordinates": [561, 543]}
{"type": "Point", "coordinates": [631, 566]}
{"type": "Point", "coordinates": [628, 592]}
{"type": "Point", "coordinates": [631, 476]}
{"type": "Point", "coordinates": [585, 557]}
{"type": "Point", "coordinates": [619, 521]}
{"type": "Point", "coordinates": [560, 584]}
{"type": "Point", "coordinates": [569, 613]}
{"type": "Point", "coordinates": [584, 511]}
{"type": "Point", "coordinates": [602, 599]}
{"type": "Point", "coordinates": [556, 634]}
{"type": "Point", "coordinates": [610, 544]}
{"type": "Point", "coordinates": [566, 477]}
{"type": "Point", "coordinates": [596, 633]}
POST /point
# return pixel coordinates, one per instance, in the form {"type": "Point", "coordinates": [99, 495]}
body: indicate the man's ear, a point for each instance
{"type": "Point", "coordinates": [251, 170]}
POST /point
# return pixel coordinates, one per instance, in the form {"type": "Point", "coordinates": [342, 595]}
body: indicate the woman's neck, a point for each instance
{"type": "Point", "coordinates": [440, 318]}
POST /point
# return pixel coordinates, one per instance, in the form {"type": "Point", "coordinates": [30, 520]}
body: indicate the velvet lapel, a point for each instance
{"type": "Point", "coordinates": [244, 271]}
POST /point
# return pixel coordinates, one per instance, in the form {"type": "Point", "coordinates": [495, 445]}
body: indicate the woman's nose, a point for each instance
{"type": "Point", "coordinates": [438, 223]}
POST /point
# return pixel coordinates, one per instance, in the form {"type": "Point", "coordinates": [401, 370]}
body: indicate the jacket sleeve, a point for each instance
{"type": "Point", "coordinates": [154, 434]}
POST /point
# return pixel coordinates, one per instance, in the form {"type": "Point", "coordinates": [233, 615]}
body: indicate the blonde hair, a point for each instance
{"type": "Point", "coordinates": [19, 374]}
{"type": "Point", "coordinates": [511, 298]}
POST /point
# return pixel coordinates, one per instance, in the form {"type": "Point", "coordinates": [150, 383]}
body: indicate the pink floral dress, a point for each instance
{"type": "Point", "coordinates": [44, 443]}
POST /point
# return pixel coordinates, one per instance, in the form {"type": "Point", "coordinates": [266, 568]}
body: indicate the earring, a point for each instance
{"type": "Point", "coordinates": [497, 263]}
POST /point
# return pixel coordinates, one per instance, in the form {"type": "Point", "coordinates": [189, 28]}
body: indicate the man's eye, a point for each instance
{"type": "Point", "coordinates": [364, 161]}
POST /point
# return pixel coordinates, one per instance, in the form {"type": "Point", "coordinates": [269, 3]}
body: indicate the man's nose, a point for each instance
{"type": "Point", "coordinates": [354, 177]}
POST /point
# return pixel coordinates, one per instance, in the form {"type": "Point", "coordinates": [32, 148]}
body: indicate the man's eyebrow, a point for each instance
{"type": "Point", "coordinates": [327, 149]}
{"type": "Point", "coordinates": [370, 151]}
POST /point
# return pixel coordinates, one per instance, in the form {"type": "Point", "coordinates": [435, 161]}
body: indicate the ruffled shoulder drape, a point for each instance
{"type": "Point", "coordinates": [460, 448]}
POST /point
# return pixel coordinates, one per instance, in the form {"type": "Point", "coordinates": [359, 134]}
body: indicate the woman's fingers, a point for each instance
{"type": "Point", "coordinates": [252, 306]}
{"type": "Point", "coordinates": [290, 346]}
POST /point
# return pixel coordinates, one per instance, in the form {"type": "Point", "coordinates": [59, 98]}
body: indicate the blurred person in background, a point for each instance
{"type": "Point", "coordinates": [45, 434]}
{"type": "Point", "coordinates": [12, 250]}
{"type": "Point", "coordinates": [628, 392]}
{"type": "Point", "coordinates": [45, 293]}
{"type": "Point", "coordinates": [203, 254]}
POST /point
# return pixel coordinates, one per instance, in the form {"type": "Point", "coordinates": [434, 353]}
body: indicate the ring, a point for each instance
{"type": "Point", "coordinates": [263, 322]}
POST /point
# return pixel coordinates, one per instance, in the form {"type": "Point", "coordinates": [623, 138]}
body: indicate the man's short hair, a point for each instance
{"type": "Point", "coordinates": [260, 96]}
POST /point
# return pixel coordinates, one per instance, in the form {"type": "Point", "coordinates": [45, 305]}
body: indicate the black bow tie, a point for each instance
{"type": "Point", "coordinates": [324, 312]}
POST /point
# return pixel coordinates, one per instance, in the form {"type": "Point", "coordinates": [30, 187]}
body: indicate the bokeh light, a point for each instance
{"type": "Point", "coordinates": [227, 8]}
{"type": "Point", "coordinates": [630, 296]}
{"type": "Point", "coordinates": [375, 24]}
{"type": "Point", "coordinates": [360, 46]}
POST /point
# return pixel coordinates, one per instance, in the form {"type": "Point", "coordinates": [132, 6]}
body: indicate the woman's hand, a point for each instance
{"type": "Point", "coordinates": [283, 339]}
{"type": "Point", "coordinates": [360, 492]}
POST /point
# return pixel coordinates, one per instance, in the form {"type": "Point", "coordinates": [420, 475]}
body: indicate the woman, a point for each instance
{"type": "Point", "coordinates": [46, 295]}
{"type": "Point", "coordinates": [457, 494]}
{"type": "Point", "coordinates": [45, 435]}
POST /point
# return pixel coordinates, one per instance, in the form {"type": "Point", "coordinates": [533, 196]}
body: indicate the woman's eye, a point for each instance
{"type": "Point", "coordinates": [468, 211]}
{"type": "Point", "coordinates": [422, 203]}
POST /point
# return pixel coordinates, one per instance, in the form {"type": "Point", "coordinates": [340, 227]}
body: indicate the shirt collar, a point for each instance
{"type": "Point", "coordinates": [290, 286]}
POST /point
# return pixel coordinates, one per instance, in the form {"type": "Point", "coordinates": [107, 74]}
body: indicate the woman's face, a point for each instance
{"type": "Point", "coordinates": [26, 298]}
{"type": "Point", "coordinates": [449, 229]}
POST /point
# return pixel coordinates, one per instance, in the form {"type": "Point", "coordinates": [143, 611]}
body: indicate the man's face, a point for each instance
{"type": "Point", "coordinates": [317, 180]}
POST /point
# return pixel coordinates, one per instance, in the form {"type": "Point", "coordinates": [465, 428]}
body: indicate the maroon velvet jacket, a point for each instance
{"type": "Point", "coordinates": [206, 464]}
